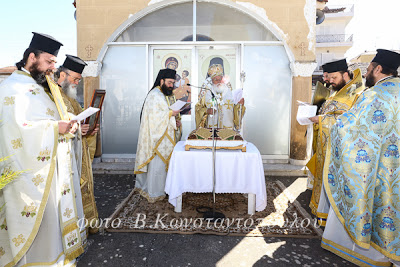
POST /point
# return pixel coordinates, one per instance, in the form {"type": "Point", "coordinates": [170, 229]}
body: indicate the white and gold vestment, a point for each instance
{"type": "Point", "coordinates": [158, 135]}
{"type": "Point", "coordinates": [227, 114]}
{"type": "Point", "coordinates": [38, 222]}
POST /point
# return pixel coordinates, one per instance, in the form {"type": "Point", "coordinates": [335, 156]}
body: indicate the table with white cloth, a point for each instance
{"type": "Point", "coordinates": [235, 172]}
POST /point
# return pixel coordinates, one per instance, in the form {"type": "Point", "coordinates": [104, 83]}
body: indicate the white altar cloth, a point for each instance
{"type": "Point", "coordinates": [235, 172]}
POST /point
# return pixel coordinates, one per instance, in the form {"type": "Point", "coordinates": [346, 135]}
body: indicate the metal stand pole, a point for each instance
{"type": "Point", "coordinates": [213, 215]}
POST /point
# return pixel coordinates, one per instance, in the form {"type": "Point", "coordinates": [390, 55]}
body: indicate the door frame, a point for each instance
{"type": "Point", "coordinates": [194, 67]}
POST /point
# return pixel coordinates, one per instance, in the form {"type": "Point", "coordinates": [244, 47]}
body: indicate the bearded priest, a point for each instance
{"type": "Point", "coordinates": [39, 216]}
{"type": "Point", "coordinates": [68, 76]}
{"type": "Point", "coordinates": [160, 130]}
{"type": "Point", "coordinates": [227, 114]}
{"type": "Point", "coordinates": [362, 170]}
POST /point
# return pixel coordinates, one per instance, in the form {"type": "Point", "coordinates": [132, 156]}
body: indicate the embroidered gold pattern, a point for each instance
{"type": "Point", "coordinates": [19, 240]}
{"type": "Point", "coordinates": [2, 252]}
{"type": "Point", "coordinates": [50, 112]}
{"type": "Point", "coordinates": [229, 104]}
{"type": "Point", "coordinates": [8, 101]}
{"type": "Point", "coordinates": [44, 155]}
{"type": "Point", "coordinates": [16, 143]}
{"type": "Point", "coordinates": [65, 189]}
{"type": "Point", "coordinates": [72, 239]}
{"type": "Point", "coordinates": [38, 179]}
{"type": "Point", "coordinates": [34, 91]}
{"type": "Point", "coordinates": [67, 212]}
{"type": "Point", "coordinates": [29, 211]}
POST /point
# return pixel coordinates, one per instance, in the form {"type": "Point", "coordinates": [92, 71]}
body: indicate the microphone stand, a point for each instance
{"type": "Point", "coordinates": [212, 215]}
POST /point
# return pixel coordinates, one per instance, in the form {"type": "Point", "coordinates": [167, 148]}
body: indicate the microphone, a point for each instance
{"type": "Point", "coordinates": [212, 93]}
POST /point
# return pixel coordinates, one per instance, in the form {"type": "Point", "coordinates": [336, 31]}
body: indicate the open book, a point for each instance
{"type": "Point", "coordinates": [304, 112]}
{"type": "Point", "coordinates": [84, 114]}
{"type": "Point", "coordinates": [179, 105]}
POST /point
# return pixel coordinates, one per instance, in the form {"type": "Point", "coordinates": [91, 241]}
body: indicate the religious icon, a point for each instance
{"type": "Point", "coordinates": [179, 60]}
{"type": "Point", "coordinates": [97, 102]}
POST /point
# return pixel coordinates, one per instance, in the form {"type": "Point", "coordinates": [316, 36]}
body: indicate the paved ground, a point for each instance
{"type": "Point", "coordinates": [140, 249]}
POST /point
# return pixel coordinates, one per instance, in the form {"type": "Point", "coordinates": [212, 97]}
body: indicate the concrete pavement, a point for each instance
{"type": "Point", "coordinates": [141, 249]}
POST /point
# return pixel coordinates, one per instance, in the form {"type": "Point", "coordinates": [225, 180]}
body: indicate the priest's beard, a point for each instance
{"type": "Point", "coordinates": [166, 90]}
{"type": "Point", "coordinates": [340, 85]}
{"type": "Point", "coordinates": [219, 88]}
{"type": "Point", "coordinates": [69, 89]}
{"type": "Point", "coordinates": [369, 80]}
{"type": "Point", "coordinates": [38, 75]}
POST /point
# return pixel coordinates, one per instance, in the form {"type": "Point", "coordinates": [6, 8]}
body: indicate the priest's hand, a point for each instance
{"type": "Point", "coordinates": [84, 128]}
{"type": "Point", "coordinates": [210, 111]}
{"type": "Point", "coordinates": [74, 127]}
{"type": "Point", "coordinates": [65, 126]}
{"type": "Point", "coordinates": [241, 101]}
{"type": "Point", "coordinates": [178, 123]}
{"type": "Point", "coordinates": [314, 119]}
{"type": "Point", "coordinates": [95, 129]}
{"type": "Point", "coordinates": [175, 112]}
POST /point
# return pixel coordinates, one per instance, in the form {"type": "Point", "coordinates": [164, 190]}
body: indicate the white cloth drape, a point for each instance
{"type": "Point", "coordinates": [236, 172]}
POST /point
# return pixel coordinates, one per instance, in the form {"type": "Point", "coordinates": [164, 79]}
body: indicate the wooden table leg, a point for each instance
{"type": "Point", "coordinates": [178, 207]}
{"type": "Point", "coordinates": [251, 202]}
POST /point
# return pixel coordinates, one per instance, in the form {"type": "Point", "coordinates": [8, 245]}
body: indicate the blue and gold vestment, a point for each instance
{"type": "Point", "coordinates": [362, 176]}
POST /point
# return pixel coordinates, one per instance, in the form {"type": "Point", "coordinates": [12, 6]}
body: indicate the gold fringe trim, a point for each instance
{"type": "Point", "coordinates": [69, 228]}
{"type": "Point", "coordinates": [334, 248]}
{"type": "Point", "coordinates": [73, 255]}
{"type": "Point", "coordinates": [385, 252]}
{"type": "Point", "coordinates": [44, 263]}
{"type": "Point", "coordinates": [147, 196]}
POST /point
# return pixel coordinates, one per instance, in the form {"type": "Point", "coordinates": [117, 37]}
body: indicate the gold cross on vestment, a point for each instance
{"type": "Point", "coordinates": [228, 104]}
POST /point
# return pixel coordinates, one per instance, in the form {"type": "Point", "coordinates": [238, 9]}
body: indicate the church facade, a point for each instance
{"type": "Point", "coordinates": [267, 47]}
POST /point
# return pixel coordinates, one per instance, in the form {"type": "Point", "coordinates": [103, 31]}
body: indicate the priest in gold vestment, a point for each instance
{"type": "Point", "coordinates": [68, 76]}
{"type": "Point", "coordinates": [40, 208]}
{"type": "Point", "coordinates": [362, 171]}
{"type": "Point", "coordinates": [347, 86]}
{"type": "Point", "coordinates": [160, 130]}
{"type": "Point", "coordinates": [227, 113]}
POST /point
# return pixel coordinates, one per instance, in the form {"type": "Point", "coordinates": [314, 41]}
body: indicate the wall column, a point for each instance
{"type": "Point", "coordinates": [301, 90]}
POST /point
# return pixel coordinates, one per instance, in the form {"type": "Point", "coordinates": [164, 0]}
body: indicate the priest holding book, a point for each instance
{"type": "Point", "coordinates": [160, 130]}
{"type": "Point", "coordinates": [39, 209]}
{"type": "Point", "coordinates": [68, 77]}
{"type": "Point", "coordinates": [347, 86]}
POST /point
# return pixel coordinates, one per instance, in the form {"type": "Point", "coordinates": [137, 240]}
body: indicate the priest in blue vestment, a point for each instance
{"type": "Point", "coordinates": [362, 171]}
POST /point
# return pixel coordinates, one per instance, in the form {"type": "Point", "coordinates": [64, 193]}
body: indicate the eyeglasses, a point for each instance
{"type": "Point", "coordinates": [76, 80]}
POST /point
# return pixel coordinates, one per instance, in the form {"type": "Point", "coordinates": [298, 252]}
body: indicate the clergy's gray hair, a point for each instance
{"type": "Point", "coordinates": [58, 72]}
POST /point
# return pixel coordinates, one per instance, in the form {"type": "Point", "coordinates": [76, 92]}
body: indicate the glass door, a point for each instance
{"type": "Point", "coordinates": [191, 64]}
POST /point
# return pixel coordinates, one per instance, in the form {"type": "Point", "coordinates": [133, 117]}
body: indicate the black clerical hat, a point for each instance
{"type": "Point", "coordinates": [334, 66]}
{"type": "Point", "coordinates": [74, 63]}
{"type": "Point", "coordinates": [167, 73]}
{"type": "Point", "coordinates": [45, 43]}
{"type": "Point", "coordinates": [164, 74]}
{"type": "Point", "coordinates": [324, 68]}
{"type": "Point", "coordinates": [387, 58]}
